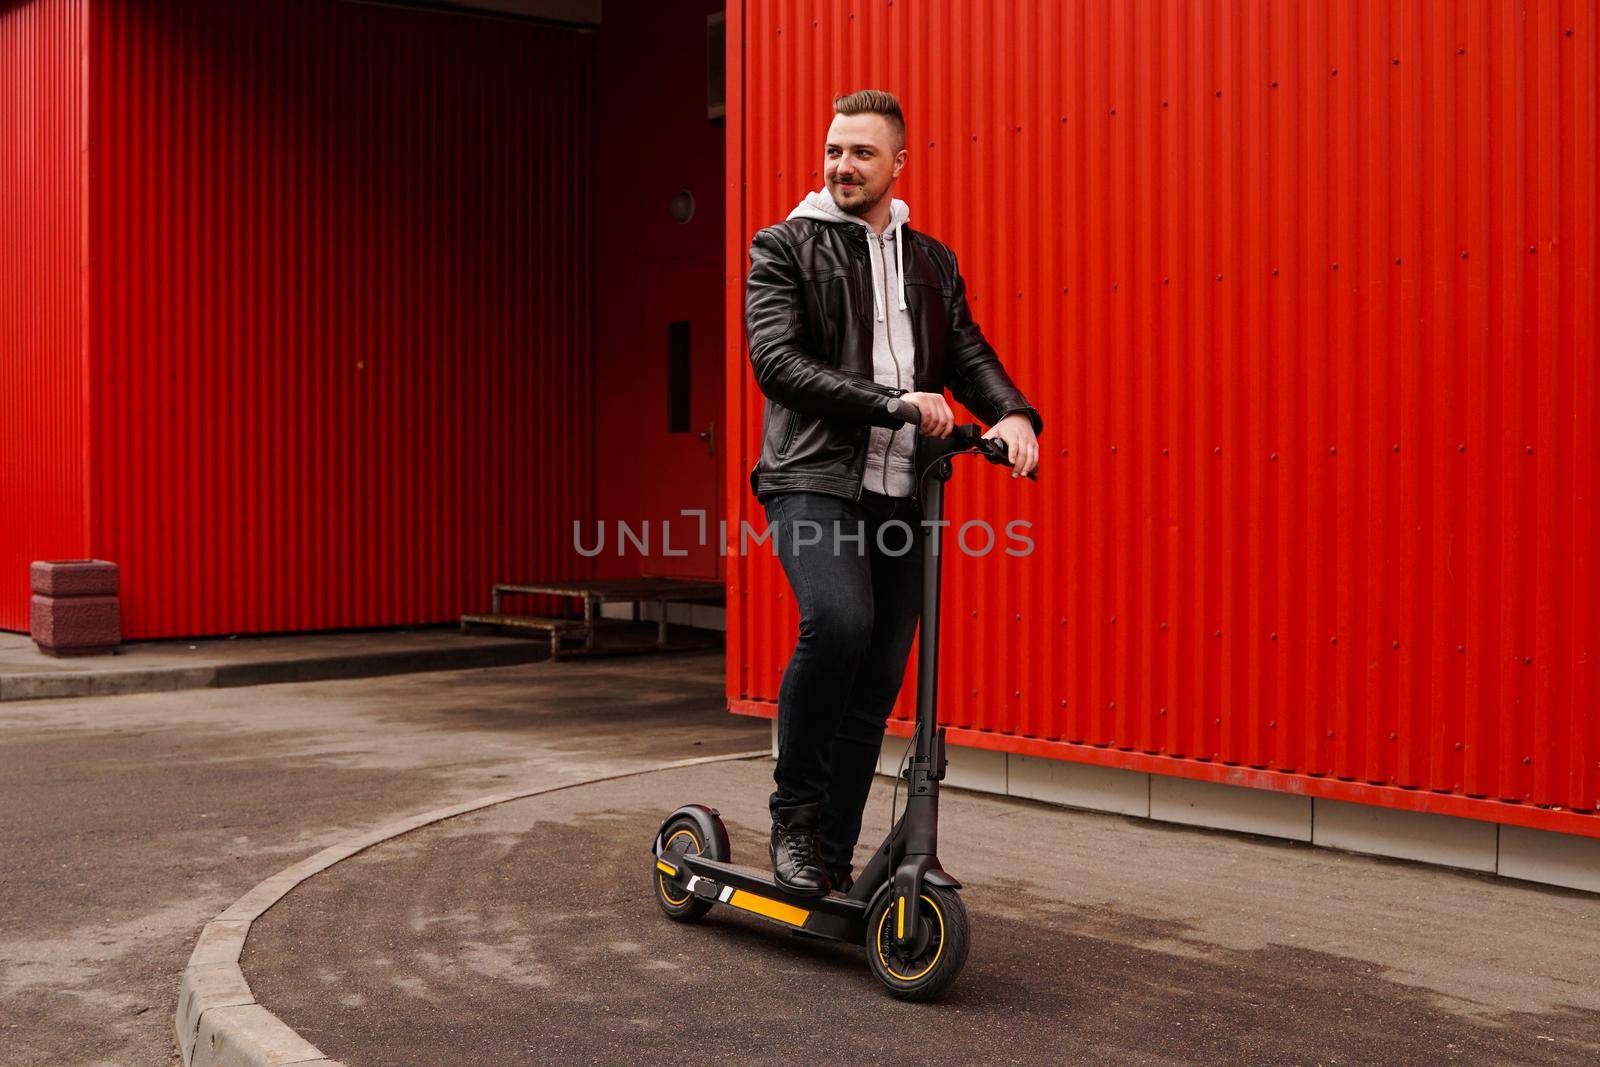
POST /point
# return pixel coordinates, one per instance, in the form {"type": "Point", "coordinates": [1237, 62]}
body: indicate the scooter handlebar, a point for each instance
{"type": "Point", "coordinates": [967, 436]}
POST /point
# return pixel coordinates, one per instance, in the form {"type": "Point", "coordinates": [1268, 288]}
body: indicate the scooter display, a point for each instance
{"type": "Point", "coordinates": [905, 910]}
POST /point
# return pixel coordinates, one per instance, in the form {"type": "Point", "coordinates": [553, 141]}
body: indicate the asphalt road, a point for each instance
{"type": "Point", "coordinates": [526, 933]}
{"type": "Point", "coordinates": [128, 822]}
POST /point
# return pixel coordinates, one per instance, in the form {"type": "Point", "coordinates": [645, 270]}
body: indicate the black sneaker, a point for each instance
{"type": "Point", "coordinates": [796, 855]}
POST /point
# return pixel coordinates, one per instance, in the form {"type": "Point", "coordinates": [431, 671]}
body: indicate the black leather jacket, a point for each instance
{"type": "Point", "coordinates": [808, 317]}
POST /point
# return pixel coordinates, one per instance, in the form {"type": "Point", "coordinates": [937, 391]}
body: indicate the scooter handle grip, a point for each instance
{"type": "Point", "coordinates": [906, 413]}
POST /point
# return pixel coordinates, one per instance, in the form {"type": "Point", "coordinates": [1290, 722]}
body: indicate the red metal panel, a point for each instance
{"type": "Point", "coordinates": [41, 292]}
{"type": "Point", "coordinates": [740, 638]}
{"type": "Point", "coordinates": [1306, 293]}
{"type": "Point", "coordinates": [341, 316]}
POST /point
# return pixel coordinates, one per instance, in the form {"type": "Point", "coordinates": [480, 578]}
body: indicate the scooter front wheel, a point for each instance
{"type": "Point", "coordinates": [943, 952]}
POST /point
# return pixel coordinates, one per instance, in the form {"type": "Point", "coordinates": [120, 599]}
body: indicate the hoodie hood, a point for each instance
{"type": "Point", "coordinates": [819, 207]}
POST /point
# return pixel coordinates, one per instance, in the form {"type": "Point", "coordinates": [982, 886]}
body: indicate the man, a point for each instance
{"type": "Point", "coordinates": [847, 307]}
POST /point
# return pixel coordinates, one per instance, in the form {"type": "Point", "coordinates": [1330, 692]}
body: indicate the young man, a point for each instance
{"type": "Point", "coordinates": [847, 307]}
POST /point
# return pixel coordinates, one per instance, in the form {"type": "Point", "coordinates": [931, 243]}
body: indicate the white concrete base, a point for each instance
{"type": "Point", "coordinates": [1079, 785]}
{"type": "Point", "coordinates": [970, 768]}
{"type": "Point", "coordinates": [1407, 835]}
{"type": "Point", "coordinates": [1510, 851]}
{"type": "Point", "coordinates": [1554, 859]}
{"type": "Point", "coordinates": [699, 616]}
{"type": "Point", "coordinates": [977, 768]}
{"type": "Point", "coordinates": [893, 753]}
{"type": "Point", "coordinates": [1228, 807]}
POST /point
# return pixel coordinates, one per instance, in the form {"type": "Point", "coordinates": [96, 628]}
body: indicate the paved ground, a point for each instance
{"type": "Point", "coordinates": [127, 822]}
{"type": "Point", "coordinates": [527, 934]}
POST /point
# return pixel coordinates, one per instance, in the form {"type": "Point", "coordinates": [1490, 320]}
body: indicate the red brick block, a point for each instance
{"type": "Point", "coordinates": [76, 626]}
{"type": "Point", "coordinates": [74, 577]}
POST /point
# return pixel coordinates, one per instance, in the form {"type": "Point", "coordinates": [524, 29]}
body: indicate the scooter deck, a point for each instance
{"type": "Point", "coordinates": [751, 889]}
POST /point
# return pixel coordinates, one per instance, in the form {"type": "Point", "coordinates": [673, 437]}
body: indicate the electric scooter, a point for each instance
{"type": "Point", "coordinates": [904, 909]}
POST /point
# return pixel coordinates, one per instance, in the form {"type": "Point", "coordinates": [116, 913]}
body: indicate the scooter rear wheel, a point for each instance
{"type": "Point", "coordinates": [932, 970]}
{"type": "Point", "coordinates": [681, 835]}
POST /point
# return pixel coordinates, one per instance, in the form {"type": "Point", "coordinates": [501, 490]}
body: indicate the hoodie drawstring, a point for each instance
{"type": "Point", "coordinates": [900, 265]}
{"type": "Point", "coordinates": [877, 274]}
{"type": "Point", "coordinates": [878, 296]}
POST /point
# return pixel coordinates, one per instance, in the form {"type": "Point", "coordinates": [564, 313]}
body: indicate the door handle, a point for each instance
{"type": "Point", "coordinates": [709, 436]}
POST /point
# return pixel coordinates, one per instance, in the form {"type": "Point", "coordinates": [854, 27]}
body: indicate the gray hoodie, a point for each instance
{"type": "Point", "coordinates": [889, 452]}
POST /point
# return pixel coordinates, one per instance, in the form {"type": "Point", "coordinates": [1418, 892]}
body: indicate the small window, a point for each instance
{"type": "Point", "coordinates": [677, 377]}
{"type": "Point", "coordinates": [716, 68]}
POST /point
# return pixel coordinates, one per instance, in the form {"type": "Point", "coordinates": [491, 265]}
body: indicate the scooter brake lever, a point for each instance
{"type": "Point", "coordinates": [994, 450]}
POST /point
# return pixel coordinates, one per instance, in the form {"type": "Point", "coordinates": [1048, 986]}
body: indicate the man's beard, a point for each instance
{"type": "Point", "coordinates": [859, 207]}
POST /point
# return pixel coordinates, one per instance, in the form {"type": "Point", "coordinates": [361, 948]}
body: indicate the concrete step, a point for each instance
{"type": "Point", "coordinates": [166, 666]}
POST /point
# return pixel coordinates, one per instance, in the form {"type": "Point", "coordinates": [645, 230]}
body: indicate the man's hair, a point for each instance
{"type": "Point", "coordinates": [874, 102]}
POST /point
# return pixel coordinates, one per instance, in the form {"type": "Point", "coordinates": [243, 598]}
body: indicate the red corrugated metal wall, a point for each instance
{"type": "Point", "coordinates": [42, 462]}
{"type": "Point", "coordinates": [341, 314]}
{"type": "Point", "coordinates": [1306, 293]}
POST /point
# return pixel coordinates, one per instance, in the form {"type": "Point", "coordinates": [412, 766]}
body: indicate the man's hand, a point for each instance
{"type": "Point", "coordinates": [937, 418]}
{"type": "Point", "coordinates": [1021, 445]}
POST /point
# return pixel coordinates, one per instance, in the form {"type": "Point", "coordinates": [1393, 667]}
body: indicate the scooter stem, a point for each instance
{"type": "Point", "coordinates": [928, 643]}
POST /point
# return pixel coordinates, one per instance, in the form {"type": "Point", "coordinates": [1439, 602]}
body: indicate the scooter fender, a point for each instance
{"type": "Point", "coordinates": [933, 876]}
{"type": "Point", "coordinates": [707, 820]}
{"type": "Point", "coordinates": [907, 884]}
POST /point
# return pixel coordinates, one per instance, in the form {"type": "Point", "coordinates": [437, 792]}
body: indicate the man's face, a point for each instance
{"type": "Point", "coordinates": [861, 161]}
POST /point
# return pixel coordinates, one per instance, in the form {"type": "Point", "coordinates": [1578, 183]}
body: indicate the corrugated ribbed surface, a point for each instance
{"type": "Point", "coordinates": [1306, 293]}
{"type": "Point", "coordinates": [341, 329]}
{"type": "Point", "coordinates": [41, 292]}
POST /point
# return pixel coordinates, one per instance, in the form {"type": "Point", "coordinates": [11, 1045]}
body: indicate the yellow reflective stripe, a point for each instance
{"type": "Point", "coordinates": [900, 921]}
{"type": "Point", "coordinates": [772, 909]}
{"type": "Point", "coordinates": [665, 867]}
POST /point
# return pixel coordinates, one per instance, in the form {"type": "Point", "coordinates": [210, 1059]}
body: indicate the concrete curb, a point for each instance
{"type": "Point", "coordinates": [218, 1021]}
{"type": "Point", "coordinates": [46, 685]}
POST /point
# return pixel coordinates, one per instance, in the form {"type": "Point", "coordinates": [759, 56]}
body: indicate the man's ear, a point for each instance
{"type": "Point", "coordinates": [899, 162]}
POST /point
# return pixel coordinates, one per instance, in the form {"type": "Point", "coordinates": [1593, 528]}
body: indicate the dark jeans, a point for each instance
{"type": "Point", "coordinates": [859, 603]}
